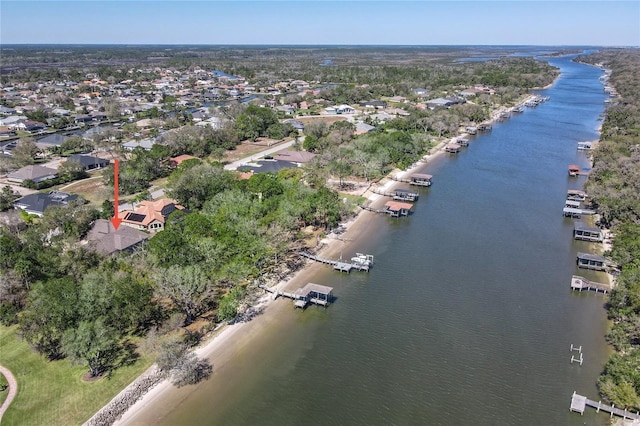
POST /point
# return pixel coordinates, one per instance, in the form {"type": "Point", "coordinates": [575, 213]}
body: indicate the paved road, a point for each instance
{"type": "Point", "coordinates": [258, 155]}
{"type": "Point", "coordinates": [13, 389]}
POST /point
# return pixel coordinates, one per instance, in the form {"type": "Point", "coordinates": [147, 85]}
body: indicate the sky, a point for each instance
{"type": "Point", "coordinates": [313, 22]}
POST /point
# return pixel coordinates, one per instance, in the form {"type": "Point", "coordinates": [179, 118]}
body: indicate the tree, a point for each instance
{"type": "Point", "coordinates": [7, 197]}
{"type": "Point", "coordinates": [254, 122]}
{"type": "Point", "coordinates": [71, 170]}
{"type": "Point", "coordinates": [183, 367]}
{"type": "Point", "coordinates": [311, 143]}
{"type": "Point", "coordinates": [25, 152]}
{"type": "Point", "coordinates": [188, 288]}
{"type": "Point", "coordinates": [94, 343]}
{"type": "Point", "coordinates": [13, 296]}
{"type": "Point", "coordinates": [75, 144]}
{"type": "Point", "coordinates": [194, 186]}
{"type": "Point", "coordinates": [52, 308]}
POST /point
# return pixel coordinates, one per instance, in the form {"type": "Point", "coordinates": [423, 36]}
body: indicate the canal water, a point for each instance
{"type": "Point", "coordinates": [467, 317]}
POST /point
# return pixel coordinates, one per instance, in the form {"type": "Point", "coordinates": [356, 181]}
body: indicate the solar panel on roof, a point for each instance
{"type": "Point", "coordinates": [135, 217]}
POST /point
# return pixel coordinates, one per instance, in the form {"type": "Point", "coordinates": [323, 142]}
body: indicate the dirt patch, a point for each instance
{"type": "Point", "coordinates": [92, 189]}
{"type": "Point", "coordinates": [87, 377]}
{"type": "Point", "coordinates": [330, 119]}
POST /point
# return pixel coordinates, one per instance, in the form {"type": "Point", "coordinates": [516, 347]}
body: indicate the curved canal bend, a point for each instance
{"type": "Point", "coordinates": [467, 316]}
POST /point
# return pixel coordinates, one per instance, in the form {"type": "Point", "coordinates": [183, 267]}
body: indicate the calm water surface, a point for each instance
{"type": "Point", "coordinates": [466, 318]}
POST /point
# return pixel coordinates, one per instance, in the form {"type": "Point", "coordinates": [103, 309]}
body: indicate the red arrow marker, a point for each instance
{"type": "Point", "coordinates": [115, 220]}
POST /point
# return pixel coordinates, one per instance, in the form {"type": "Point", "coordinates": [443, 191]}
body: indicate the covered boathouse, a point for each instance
{"type": "Point", "coordinates": [576, 195]}
{"type": "Point", "coordinates": [574, 170]}
{"type": "Point", "coordinates": [313, 293]}
{"type": "Point", "coordinates": [405, 195]}
{"type": "Point", "coordinates": [397, 208]}
{"type": "Point", "coordinates": [452, 148]}
{"type": "Point", "coordinates": [591, 261]}
{"type": "Point", "coordinates": [421, 179]}
{"type": "Point", "coordinates": [587, 233]}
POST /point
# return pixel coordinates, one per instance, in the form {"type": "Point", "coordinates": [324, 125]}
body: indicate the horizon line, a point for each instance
{"type": "Point", "coordinates": [3, 45]}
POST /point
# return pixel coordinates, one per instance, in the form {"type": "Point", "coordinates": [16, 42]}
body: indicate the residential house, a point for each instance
{"type": "Point", "coordinates": [7, 131]}
{"type": "Point", "coordinates": [12, 121]}
{"type": "Point", "coordinates": [374, 104]}
{"type": "Point", "coordinates": [37, 203]}
{"type": "Point", "coordinates": [103, 238]}
{"type": "Point", "coordinates": [146, 144]}
{"type": "Point", "coordinates": [89, 162]}
{"type": "Point", "coordinates": [214, 122]}
{"type": "Point", "coordinates": [34, 173]}
{"type": "Point", "coordinates": [298, 125]}
{"type": "Point", "coordinates": [286, 109]}
{"type": "Point", "coordinates": [441, 102]}
{"type": "Point", "coordinates": [6, 110]}
{"type": "Point", "coordinates": [30, 126]}
{"type": "Point", "coordinates": [150, 215]}
{"type": "Point", "coordinates": [420, 92]}
{"type": "Point", "coordinates": [82, 119]}
{"type": "Point", "coordinates": [299, 157]}
{"type": "Point", "coordinates": [362, 128]}
{"type": "Point", "coordinates": [176, 161]}
{"type": "Point", "coordinates": [339, 109]}
{"type": "Point", "coordinates": [398, 99]}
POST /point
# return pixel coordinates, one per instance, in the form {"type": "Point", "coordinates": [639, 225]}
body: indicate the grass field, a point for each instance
{"type": "Point", "coordinates": [53, 393]}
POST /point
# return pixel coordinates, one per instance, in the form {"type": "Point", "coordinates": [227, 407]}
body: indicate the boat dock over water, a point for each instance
{"type": "Point", "coordinates": [400, 194]}
{"type": "Point", "coordinates": [579, 403]}
{"type": "Point", "coordinates": [580, 283]}
{"type": "Point", "coordinates": [360, 262]}
{"type": "Point", "coordinates": [311, 293]}
{"type": "Point", "coordinates": [418, 179]}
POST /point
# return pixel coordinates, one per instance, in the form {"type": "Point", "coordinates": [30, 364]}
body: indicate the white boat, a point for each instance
{"type": "Point", "coordinates": [362, 259]}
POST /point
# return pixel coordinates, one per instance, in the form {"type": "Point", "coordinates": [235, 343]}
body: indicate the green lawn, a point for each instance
{"type": "Point", "coordinates": [53, 393]}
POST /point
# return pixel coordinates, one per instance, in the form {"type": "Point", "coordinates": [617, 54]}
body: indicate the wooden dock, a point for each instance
{"type": "Point", "coordinates": [395, 209]}
{"type": "Point", "coordinates": [311, 293]}
{"type": "Point", "coordinates": [339, 265]}
{"type": "Point", "coordinates": [417, 179]}
{"type": "Point", "coordinates": [580, 283]}
{"type": "Point", "coordinates": [579, 404]}
{"type": "Point", "coordinates": [399, 194]}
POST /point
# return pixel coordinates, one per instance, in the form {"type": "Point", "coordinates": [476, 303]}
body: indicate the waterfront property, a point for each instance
{"type": "Point", "coordinates": [587, 233]}
{"type": "Point", "coordinates": [421, 179]}
{"type": "Point", "coordinates": [397, 208]}
{"type": "Point", "coordinates": [591, 261]}
{"type": "Point", "coordinates": [402, 194]}
{"type": "Point", "coordinates": [580, 283]}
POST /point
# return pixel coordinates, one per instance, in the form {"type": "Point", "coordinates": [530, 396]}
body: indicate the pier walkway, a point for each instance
{"type": "Point", "coordinates": [579, 403]}
{"type": "Point", "coordinates": [360, 262]}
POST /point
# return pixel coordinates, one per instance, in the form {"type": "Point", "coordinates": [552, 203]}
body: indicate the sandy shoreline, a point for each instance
{"type": "Point", "coordinates": [218, 349]}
